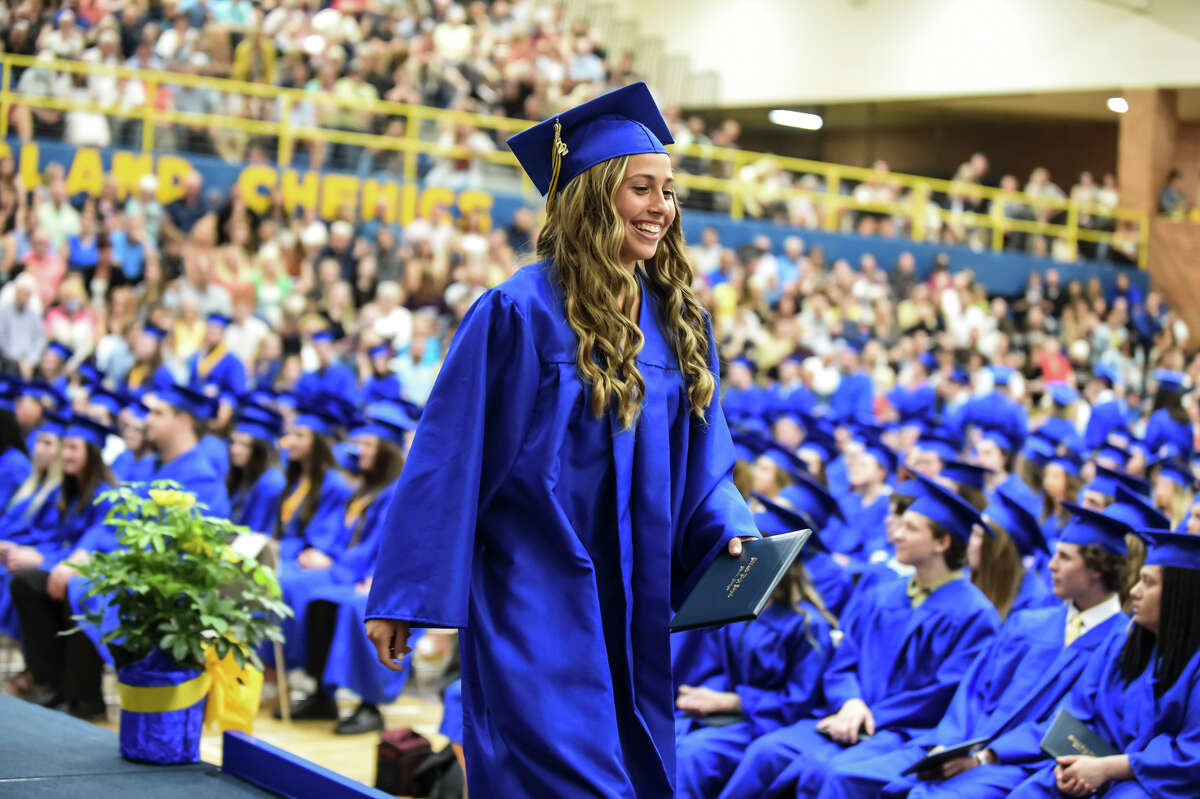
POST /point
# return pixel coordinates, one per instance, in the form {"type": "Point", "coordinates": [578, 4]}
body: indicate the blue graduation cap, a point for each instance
{"type": "Point", "coordinates": [999, 438]}
{"type": "Point", "coordinates": [1114, 453]}
{"type": "Point", "coordinates": [258, 422]}
{"type": "Point", "coordinates": [1002, 375]}
{"type": "Point", "coordinates": [1063, 395]}
{"type": "Point", "coordinates": [967, 474]}
{"type": "Point", "coordinates": [1106, 481]}
{"type": "Point", "coordinates": [89, 430]}
{"type": "Point", "coordinates": [1018, 521]}
{"type": "Point", "coordinates": [943, 448]}
{"type": "Point", "coordinates": [742, 360]}
{"type": "Point", "coordinates": [1169, 380]}
{"type": "Point", "coordinates": [345, 454]}
{"type": "Point", "coordinates": [108, 400]}
{"type": "Point", "coordinates": [928, 360]}
{"type": "Point", "coordinates": [1108, 373]}
{"type": "Point", "coordinates": [386, 420]}
{"type": "Point", "coordinates": [41, 390]}
{"type": "Point", "coordinates": [810, 496]}
{"type": "Point", "coordinates": [1069, 461]}
{"type": "Point", "coordinates": [1038, 450]}
{"type": "Point", "coordinates": [324, 334]}
{"type": "Point", "coordinates": [945, 508]}
{"type": "Point", "coordinates": [379, 351]}
{"type": "Point", "coordinates": [322, 413]}
{"type": "Point", "coordinates": [1178, 472]}
{"type": "Point", "coordinates": [784, 460]}
{"type": "Point", "coordinates": [136, 408]}
{"type": "Point", "coordinates": [220, 319]}
{"type": "Point", "coordinates": [1181, 550]}
{"type": "Point", "coordinates": [882, 454]}
{"type": "Point", "coordinates": [777, 519]}
{"type": "Point", "coordinates": [622, 122]}
{"type": "Point", "coordinates": [1089, 527]}
{"type": "Point", "coordinates": [53, 424]}
{"type": "Point", "coordinates": [910, 489]}
{"type": "Point", "coordinates": [88, 372]}
{"type": "Point", "coordinates": [63, 352]}
{"type": "Point", "coordinates": [186, 400]}
{"type": "Point", "coordinates": [960, 376]}
{"type": "Point", "coordinates": [1136, 511]}
{"type": "Point", "coordinates": [820, 443]}
{"type": "Point", "coordinates": [154, 332]}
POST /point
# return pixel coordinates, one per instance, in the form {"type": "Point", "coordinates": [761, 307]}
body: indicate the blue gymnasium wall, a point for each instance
{"type": "Point", "coordinates": [1001, 273]}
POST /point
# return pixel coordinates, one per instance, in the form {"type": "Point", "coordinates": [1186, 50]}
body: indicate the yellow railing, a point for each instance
{"type": "Point", "coordinates": [912, 209]}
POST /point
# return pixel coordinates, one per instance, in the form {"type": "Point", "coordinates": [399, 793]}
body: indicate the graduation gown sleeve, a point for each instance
{"type": "Point", "coordinates": [325, 530]}
{"type": "Point", "coordinates": [1166, 765]}
{"type": "Point", "coordinates": [14, 468]}
{"type": "Point", "coordinates": [482, 400]}
{"type": "Point", "coordinates": [261, 506]}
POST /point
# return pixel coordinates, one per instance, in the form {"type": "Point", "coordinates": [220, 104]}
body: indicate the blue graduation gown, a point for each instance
{"type": "Point", "coordinates": [563, 542]}
{"type": "Point", "coordinates": [853, 400]}
{"type": "Point", "coordinates": [14, 468]}
{"type": "Point", "coordinates": [1162, 430]}
{"type": "Point", "coordinates": [1104, 418]}
{"type": "Point", "coordinates": [905, 663]}
{"type": "Point", "coordinates": [996, 411]}
{"type": "Point", "coordinates": [689, 662]}
{"type": "Point", "coordinates": [1034, 593]}
{"type": "Point", "coordinates": [452, 715]}
{"type": "Point", "coordinates": [129, 468]}
{"type": "Point", "coordinates": [1016, 488]}
{"type": "Point", "coordinates": [326, 530]}
{"type": "Point", "coordinates": [748, 404]}
{"type": "Point", "coordinates": [229, 373]}
{"type": "Point", "coordinates": [865, 528]}
{"type": "Point", "coordinates": [1161, 735]}
{"type": "Point", "coordinates": [796, 398]}
{"type": "Point", "coordinates": [336, 379]}
{"type": "Point", "coordinates": [1018, 681]}
{"type": "Point", "coordinates": [216, 452]}
{"type": "Point", "coordinates": [161, 377]}
{"type": "Point", "coordinates": [196, 473]}
{"type": "Point", "coordinates": [378, 389]}
{"type": "Point", "coordinates": [775, 665]}
{"type": "Point", "coordinates": [1062, 431]}
{"type": "Point", "coordinates": [257, 507]}
{"type": "Point", "coordinates": [31, 521]}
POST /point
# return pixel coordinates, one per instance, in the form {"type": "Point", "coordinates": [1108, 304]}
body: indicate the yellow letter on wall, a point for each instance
{"type": "Point", "coordinates": [86, 172]}
{"type": "Point", "coordinates": [336, 191]}
{"type": "Point", "coordinates": [129, 168]}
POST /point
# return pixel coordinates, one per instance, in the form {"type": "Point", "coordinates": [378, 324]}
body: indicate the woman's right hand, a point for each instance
{"type": "Point", "coordinates": [390, 637]}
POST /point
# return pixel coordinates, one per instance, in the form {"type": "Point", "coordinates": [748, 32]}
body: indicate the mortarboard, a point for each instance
{"type": "Point", "coordinates": [882, 454]}
{"type": "Point", "coordinates": [1108, 373]}
{"type": "Point", "coordinates": [89, 430]}
{"type": "Point", "coordinates": [742, 360]}
{"type": "Point", "coordinates": [784, 460]}
{"type": "Point", "coordinates": [379, 351]}
{"type": "Point", "coordinates": [322, 414]}
{"type": "Point", "coordinates": [945, 508]}
{"type": "Point", "coordinates": [258, 422]}
{"type": "Point", "coordinates": [1136, 511]}
{"type": "Point", "coordinates": [622, 122]}
{"type": "Point", "coordinates": [63, 352]}
{"type": "Point", "coordinates": [325, 334]}
{"type": "Point", "coordinates": [53, 424]}
{"type": "Point", "coordinates": [810, 496]}
{"type": "Point", "coordinates": [218, 318]}
{"type": "Point", "coordinates": [1180, 550]}
{"type": "Point", "coordinates": [386, 420]}
{"type": "Point", "coordinates": [135, 408]}
{"type": "Point", "coordinates": [346, 454]}
{"type": "Point", "coordinates": [1135, 484]}
{"type": "Point", "coordinates": [1069, 461]}
{"type": "Point", "coordinates": [88, 372]}
{"type": "Point", "coordinates": [1169, 380]}
{"type": "Point", "coordinates": [1000, 439]}
{"type": "Point", "coordinates": [777, 519]}
{"type": "Point", "coordinates": [942, 447]}
{"type": "Point", "coordinates": [960, 376]}
{"type": "Point", "coordinates": [186, 400]}
{"type": "Point", "coordinates": [967, 474]}
{"type": "Point", "coordinates": [1017, 520]}
{"type": "Point", "coordinates": [1063, 395]}
{"type": "Point", "coordinates": [910, 489]}
{"type": "Point", "coordinates": [108, 400]}
{"type": "Point", "coordinates": [154, 332]}
{"type": "Point", "coordinates": [1114, 453]}
{"type": "Point", "coordinates": [1177, 472]}
{"type": "Point", "coordinates": [1002, 375]}
{"type": "Point", "coordinates": [1089, 527]}
{"type": "Point", "coordinates": [41, 390]}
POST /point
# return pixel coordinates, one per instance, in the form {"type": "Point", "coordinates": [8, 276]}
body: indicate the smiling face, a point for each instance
{"type": "Point", "coordinates": [74, 456]}
{"type": "Point", "coordinates": [645, 202]}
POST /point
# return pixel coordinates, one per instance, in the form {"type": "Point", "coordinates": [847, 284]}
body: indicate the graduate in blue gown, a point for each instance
{"type": "Point", "coordinates": [148, 370]}
{"type": "Point", "coordinates": [254, 483]}
{"type": "Point", "coordinates": [995, 451]}
{"type": "Point", "coordinates": [998, 551]}
{"type": "Point", "coordinates": [174, 415]}
{"type": "Point", "coordinates": [806, 504]}
{"type": "Point", "coordinates": [14, 453]}
{"type": "Point", "coordinates": [998, 410]}
{"type": "Point", "coordinates": [765, 674]}
{"type": "Point", "coordinates": [863, 535]}
{"type": "Point", "coordinates": [1108, 413]}
{"type": "Point", "coordinates": [214, 364]}
{"type": "Point", "coordinates": [66, 670]}
{"type": "Point", "coordinates": [1059, 428]}
{"type": "Point", "coordinates": [136, 463]}
{"type": "Point", "coordinates": [334, 596]}
{"type": "Point", "coordinates": [1060, 483]}
{"type": "Point", "coordinates": [1141, 691]}
{"type": "Point", "coordinates": [791, 394]}
{"type": "Point", "coordinates": [1170, 423]}
{"type": "Point", "coordinates": [927, 630]}
{"type": "Point", "coordinates": [1012, 687]}
{"type": "Point", "coordinates": [743, 398]}
{"type": "Point", "coordinates": [331, 377]}
{"type": "Point", "coordinates": [571, 516]}
{"type": "Point", "coordinates": [854, 398]}
{"type": "Point", "coordinates": [382, 383]}
{"type": "Point", "coordinates": [53, 365]}
{"type": "Point", "coordinates": [30, 519]}
{"type": "Point", "coordinates": [1174, 488]}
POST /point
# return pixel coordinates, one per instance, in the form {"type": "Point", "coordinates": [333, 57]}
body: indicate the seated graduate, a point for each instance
{"type": "Point", "coordinates": [1014, 685]}
{"type": "Point", "coordinates": [331, 377]}
{"type": "Point", "coordinates": [787, 428]}
{"type": "Point", "coordinates": [31, 401]}
{"type": "Point", "coordinates": [148, 369]}
{"type": "Point", "coordinates": [997, 554]}
{"type": "Point", "coordinates": [66, 670]}
{"type": "Point", "coordinates": [1170, 422]}
{"type": "Point", "coordinates": [174, 421]}
{"type": "Point", "coordinates": [214, 364]}
{"type": "Point", "coordinates": [862, 537]}
{"type": "Point", "coordinates": [136, 463]}
{"type": "Point", "coordinates": [1174, 489]}
{"type": "Point", "coordinates": [1141, 690]}
{"type": "Point", "coordinates": [807, 504]}
{"type": "Point", "coordinates": [743, 398]}
{"type": "Point", "coordinates": [14, 454]}
{"type": "Point", "coordinates": [381, 383]}
{"type": "Point", "coordinates": [254, 482]}
{"type": "Point", "coordinates": [316, 592]}
{"type": "Point", "coordinates": [872, 574]}
{"type": "Point", "coordinates": [1060, 483]}
{"type": "Point", "coordinates": [1059, 427]}
{"type": "Point", "coordinates": [928, 629]}
{"type": "Point", "coordinates": [214, 433]}
{"type": "Point", "coordinates": [763, 674]}
{"type": "Point", "coordinates": [52, 368]}
{"type": "Point", "coordinates": [774, 470]}
{"type": "Point", "coordinates": [30, 519]}
{"type": "Point", "coordinates": [995, 451]}
{"type": "Point", "coordinates": [791, 394]}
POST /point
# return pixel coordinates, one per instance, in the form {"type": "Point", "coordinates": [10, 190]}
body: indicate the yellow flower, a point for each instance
{"type": "Point", "coordinates": [170, 498]}
{"type": "Point", "coordinates": [197, 547]}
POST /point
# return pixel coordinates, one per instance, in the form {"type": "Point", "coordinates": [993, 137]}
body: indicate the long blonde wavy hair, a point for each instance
{"type": "Point", "coordinates": [583, 235]}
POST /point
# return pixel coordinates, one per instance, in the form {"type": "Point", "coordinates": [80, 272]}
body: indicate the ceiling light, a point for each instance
{"type": "Point", "coordinates": [1118, 105]}
{"type": "Point", "coordinates": [796, 119]}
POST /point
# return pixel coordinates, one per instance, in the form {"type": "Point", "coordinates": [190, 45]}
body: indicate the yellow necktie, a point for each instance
{"type": "Point", "coordinates": [1074, 629]}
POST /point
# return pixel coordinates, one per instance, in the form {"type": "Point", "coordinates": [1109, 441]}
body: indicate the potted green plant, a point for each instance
{"type": "Point", "coordinates": [175, 595]}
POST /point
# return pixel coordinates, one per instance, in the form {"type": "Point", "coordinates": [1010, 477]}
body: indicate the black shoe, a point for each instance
{"type": "Point", "coordinates": [366, 718]}
{"type": "Point", "coordinates": [314, 707]}
{"type": "Point", "coordinates": [88, 709]}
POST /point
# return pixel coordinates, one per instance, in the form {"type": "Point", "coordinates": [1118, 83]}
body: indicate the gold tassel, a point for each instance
{"type": "Point", "coordinates": [559, 149]}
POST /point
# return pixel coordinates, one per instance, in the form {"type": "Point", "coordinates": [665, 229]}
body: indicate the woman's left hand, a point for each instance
{"type": "Point", "coordinates": [735, 545]}
{"type": "Point", "coordinates": [700, 701]}
{"type": "Point", "coordinates": [1080, 776]}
